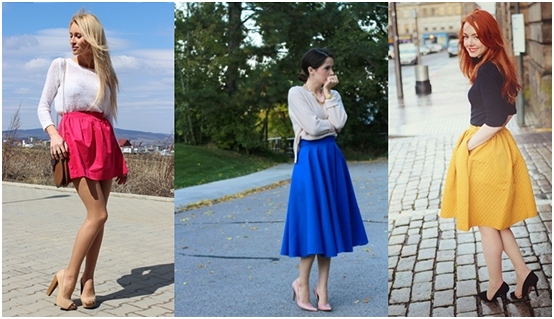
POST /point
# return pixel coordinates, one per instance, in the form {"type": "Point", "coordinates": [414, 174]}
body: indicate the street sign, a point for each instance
{"type": "Point", "coordinates": [518, 31]}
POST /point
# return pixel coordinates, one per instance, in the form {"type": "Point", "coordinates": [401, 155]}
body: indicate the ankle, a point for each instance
{"type": "Point", "coordinates": [302, 284]}
{"type": "Point", "coordinates": [495, 284]}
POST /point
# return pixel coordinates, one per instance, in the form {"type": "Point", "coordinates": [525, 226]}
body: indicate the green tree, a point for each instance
{"type": "Point", "coordinates": [232, 91]}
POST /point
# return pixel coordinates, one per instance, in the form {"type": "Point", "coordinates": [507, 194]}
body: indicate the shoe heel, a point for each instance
{"type": "Point", "coordinates": [536, 290]}
{"type": "Point", "coordinates": [52, 286]}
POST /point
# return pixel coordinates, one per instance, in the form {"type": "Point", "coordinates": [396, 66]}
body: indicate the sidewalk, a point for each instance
{"type": "Point", "coordinates": [434, 269]}
{"type": "Point", "coordinates": [216, 190]}
{"type": "Point", "coordinates": [135, 271]}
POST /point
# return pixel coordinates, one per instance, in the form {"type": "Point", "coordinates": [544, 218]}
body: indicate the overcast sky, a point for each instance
{"type": "Point", "coordinates": [140, 37]}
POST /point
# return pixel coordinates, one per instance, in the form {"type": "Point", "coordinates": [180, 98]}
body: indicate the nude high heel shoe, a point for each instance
{"type": "Point", "coordinates": [65, 304]}
{"type": "Point", "coordinates": [87, 302]}
{"type": "Point", "coordinates": [325, 307]}
{"type": "Point", "coordinates": [302, 305]}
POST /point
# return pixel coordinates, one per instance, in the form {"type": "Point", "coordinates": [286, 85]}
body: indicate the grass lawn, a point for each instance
{"type": "Point", "coordinates": [195, 165]}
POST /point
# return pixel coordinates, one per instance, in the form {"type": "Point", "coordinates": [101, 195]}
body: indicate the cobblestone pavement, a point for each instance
{"type": "Point", "coordinates": [434, 269]}
{"type": "Point", "coordinates": [135, 269]}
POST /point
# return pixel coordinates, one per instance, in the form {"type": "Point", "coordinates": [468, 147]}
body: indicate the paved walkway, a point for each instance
{"type": "Point", "coordinates": [135, 271]}
{"type": "Point", "coordinates": [216, 190]}
{"type": "Point", "coordinates": [434, 269]}
{"type": "Point", "coordinates": [227, 260]}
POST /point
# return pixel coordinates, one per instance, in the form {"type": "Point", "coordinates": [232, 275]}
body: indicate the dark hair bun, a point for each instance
{"type": "Point", "coordinates": [302, 76]}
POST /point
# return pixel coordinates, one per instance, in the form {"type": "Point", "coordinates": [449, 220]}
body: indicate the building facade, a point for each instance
{"type": "Point", "coordinates": [537, 59]}
{"type": "Point", "coordinates": [435, 22]}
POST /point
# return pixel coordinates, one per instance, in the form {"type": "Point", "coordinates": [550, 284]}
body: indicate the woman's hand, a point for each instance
{"type": "Point", "coordinates": [58, 147]}
{"type": "Point", "coordinates": [332, 80]}
{"type": "Point", "coordinates": [121, 179]}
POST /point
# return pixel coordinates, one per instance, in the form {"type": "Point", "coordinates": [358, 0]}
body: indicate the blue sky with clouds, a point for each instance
{"type": "Point", "coordinates": [140, 37]}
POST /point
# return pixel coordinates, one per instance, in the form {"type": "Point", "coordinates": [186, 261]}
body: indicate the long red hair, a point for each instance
{"type": "Point", "coordinates": [489, 34]}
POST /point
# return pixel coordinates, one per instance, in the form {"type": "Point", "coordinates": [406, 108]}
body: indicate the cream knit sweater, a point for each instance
{"type": "Point", "coordinates": [312, 121]}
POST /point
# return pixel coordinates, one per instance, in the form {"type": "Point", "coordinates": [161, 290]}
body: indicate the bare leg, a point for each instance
{"type": "Point", "coordinates": [512, 250]}
{"type": "Point", "coordinates": [94, 251]}
{"type": "Point", "coordinates": [304, 278]}
{"type": "Point", "coordinates": [323, 266]}
{"type": "Point", "coordinates": [93, 198]}
{"type": "Point", "coordinates": [492, 251]}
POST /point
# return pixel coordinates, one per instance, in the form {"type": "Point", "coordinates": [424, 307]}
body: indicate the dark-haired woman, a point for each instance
{"type": "Point", "coordinates": [323, 218]}
{"type": "Point", "coordinates": [487, 183]}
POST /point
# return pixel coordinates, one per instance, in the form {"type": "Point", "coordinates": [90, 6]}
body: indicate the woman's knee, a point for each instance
{"type": "Point", "coordinates": [98, 217]}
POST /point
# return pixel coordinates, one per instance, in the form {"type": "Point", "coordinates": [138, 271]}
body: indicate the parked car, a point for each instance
{"type": "Point", "coordinates": [424, 50]}
{"type": "Point", "coordinates": [434, 47]}
{"type": "Point", "coordinates": [408, 53]}
{"type": "Point", "coordinates": [453, 48]}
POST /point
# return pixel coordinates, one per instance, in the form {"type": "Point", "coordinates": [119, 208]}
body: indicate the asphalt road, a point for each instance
{"type": "Point", "coordinates": [227, 260]}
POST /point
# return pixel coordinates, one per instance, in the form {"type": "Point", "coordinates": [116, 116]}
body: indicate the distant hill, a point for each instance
{"type": "Point", "coordinates": [134, 136]}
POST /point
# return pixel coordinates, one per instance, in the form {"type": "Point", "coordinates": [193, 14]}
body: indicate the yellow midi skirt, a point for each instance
{"type": "Point", "coordinates": [489, 186]}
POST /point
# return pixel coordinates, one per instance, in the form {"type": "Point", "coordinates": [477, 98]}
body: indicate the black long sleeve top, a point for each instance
{"type": "Point", "coordinates": [485, 96]}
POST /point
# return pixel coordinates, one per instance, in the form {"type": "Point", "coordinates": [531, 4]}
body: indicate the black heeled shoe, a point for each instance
{"type": "Point", "coordinates": [530, 282]}
{"type": "Point", "coordinates": [501, 292]}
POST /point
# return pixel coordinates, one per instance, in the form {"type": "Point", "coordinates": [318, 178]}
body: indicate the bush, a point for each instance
{"type": "Point", "coordinates": [148, 174]}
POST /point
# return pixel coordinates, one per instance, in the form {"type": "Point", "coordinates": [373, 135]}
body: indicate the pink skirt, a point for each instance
{"type": "Point", "coordinates": [94, 152]}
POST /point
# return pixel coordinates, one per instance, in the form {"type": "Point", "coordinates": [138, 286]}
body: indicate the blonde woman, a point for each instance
{"type": "Point", "coordinates": [84, 89]}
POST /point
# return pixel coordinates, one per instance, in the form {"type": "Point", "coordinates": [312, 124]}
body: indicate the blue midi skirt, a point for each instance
{"type": "Point", "coordinates": [323, 217]}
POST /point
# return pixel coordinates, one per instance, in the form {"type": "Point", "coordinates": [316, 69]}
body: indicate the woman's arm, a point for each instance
{"type": "Point", "coordinates": [490, 81]}
{"type": "Point", "coordinates": [302, 113]}
{"type": "Point", "coordinates": [335, 111]}
{"type": "Point", "coordinates": [484, 134]}
{"type": "Point", "coordinates": [51, 85]}
{"type": "Point", "coordinates": [49, 91]}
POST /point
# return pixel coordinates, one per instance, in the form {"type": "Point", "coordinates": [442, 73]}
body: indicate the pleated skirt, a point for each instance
{"type": "Point", "coordinates": [94, 152]}
{"type": "Point", "coordinates": [323, 217]}
{"type": "Point", "coordinates": [489, 186]}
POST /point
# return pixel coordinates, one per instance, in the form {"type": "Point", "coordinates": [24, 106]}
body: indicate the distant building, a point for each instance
{"type": "Point", "coordinates": [125, 146]}
{"type": "Point", "coordinates": [437, 22]}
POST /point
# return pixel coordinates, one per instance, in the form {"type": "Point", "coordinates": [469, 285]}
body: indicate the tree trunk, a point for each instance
{"type": "Point", "coordinates": [235, 39]}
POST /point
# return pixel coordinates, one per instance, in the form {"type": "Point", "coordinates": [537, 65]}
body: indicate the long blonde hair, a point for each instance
{"type": "Point", "coordinates": [93, 32]}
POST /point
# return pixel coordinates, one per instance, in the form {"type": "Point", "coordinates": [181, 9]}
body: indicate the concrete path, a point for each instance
{"type": "Point", "coordinates": [227, 260]}
{"type": "Point", "coordinates": [220, 189]}
{"type": "Point", "coordinates": [434, 269]}
{"type": "Point", "coordinates": [135, 272]}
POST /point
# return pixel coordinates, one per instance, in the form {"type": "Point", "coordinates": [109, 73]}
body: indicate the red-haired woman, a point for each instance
{"type": "Point", "coordinates": [487, 183]}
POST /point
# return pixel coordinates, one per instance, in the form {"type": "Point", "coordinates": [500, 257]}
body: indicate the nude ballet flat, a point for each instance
{"type": "Point", "coordinates": [65, 304]}
{"type": "Point", "coordinates": [302, 305]}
